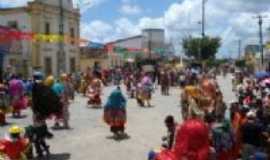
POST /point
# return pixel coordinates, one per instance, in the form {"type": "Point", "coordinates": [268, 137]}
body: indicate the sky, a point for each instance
{"type": "Point", "coordinates": [232, 20]}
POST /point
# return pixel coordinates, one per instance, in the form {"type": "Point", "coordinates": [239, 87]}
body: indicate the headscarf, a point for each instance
{"type": "Point", "coordinates": [49, 81]}
{"type": "Point", "coordinates": [58, 88]}
{"type": "Point", "coordinates": [116, 100]}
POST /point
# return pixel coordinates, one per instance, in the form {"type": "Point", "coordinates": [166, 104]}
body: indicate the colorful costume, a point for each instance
{"type": "Point", "coordinates": [188, 103]}
{"type": "Point", "coordinates": [223, 140]}
{"type": "Point", "coordinates": [94, 92]}
{"type": "Point", "coordinates": [192, 143]}
{"type": "Point", "coordinates": [59, 90]}
{"type": "Point", "coordinates": [18, 101]}
{"type": "Point", "coordinates": [139, 94]}
{"type": "Point", "coordinates": [14, 147]}
{"type": "Point", "coordinates": [165, 83]}
{"type": "Point", "coordinates": [46, 103]}
{"type": "Point", "coordinates": [147, 87]}
{"type": "Point", "coordinates": [115, 111]}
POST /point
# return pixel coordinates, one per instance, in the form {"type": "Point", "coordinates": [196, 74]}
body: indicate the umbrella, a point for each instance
{"type": "Point", "coordinates": [261, 74]}
{"type": "Point", "coordinates": [130, 60]}
{"type": "Point", "coordinates": [146, 80]}
{"type": "Point", "coordinates": [266, 81]}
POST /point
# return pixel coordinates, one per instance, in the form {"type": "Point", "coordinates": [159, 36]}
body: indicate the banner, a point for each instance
{"type": "Point", "coordinates": [9, 34]}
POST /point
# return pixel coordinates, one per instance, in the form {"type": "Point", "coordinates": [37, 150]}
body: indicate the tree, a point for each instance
{"type": "Point", "coordinates": [240, 63]}
{"type": "Point", "coordinates": [201, 48]}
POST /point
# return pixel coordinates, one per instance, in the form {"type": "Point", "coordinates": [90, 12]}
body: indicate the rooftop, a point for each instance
{"type": "Point", "coordinates": [125, 39]}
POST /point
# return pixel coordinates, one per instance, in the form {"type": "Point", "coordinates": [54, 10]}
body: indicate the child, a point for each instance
{"type": "Point", "coordinates": [14, 146]}
{"type": "Point", "coordinates": [168, 140]}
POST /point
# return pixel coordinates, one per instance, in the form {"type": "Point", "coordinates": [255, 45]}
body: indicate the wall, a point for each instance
{"type": "Point", "coordinates": [51, 15]}
{"type": "Point", "coordinates": [22, 56]}
{"type": "Point", "coordinates": [130, 43]}
{"type": "Point", "coordinates": [66, 3]}
{"type": "Point", "coordinates": [85, 63]}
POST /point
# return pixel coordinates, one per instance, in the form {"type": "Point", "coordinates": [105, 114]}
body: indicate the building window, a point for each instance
{"type": "Point", "coordinates": [13, 24]}
{"type": "Point", "coordinates": [72, 35]}
{"type": "Point", "coordinates": [72, 65]}
{"type": "Point", "coordinates": [47, 28]}
{"type": "Point", "coordinates": [48, 65]}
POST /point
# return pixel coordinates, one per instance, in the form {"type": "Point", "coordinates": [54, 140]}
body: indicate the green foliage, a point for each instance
{"type": "Point", "coordinates": [240, 63]}
{"type": "Point", "coordinates": [215, 62]}
{"type": "Point", "coordinates": [201, 48]}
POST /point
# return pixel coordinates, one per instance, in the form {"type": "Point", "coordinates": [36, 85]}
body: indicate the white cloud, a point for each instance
{"type": "Point", "coordinates": [130, 9]}
{"type": "Point", "coordinates": [97, 31]}
{"type": "Point", "coordinates": [85, 5]}
{"type": "Point", "coordinates": [231, 20]}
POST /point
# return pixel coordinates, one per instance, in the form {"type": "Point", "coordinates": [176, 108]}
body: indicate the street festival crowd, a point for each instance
{"type": "Point", "coordinates": [211, 129]}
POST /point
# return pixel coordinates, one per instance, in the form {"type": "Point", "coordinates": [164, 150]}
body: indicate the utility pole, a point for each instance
{"type": "Point", "coordinates": [150, 44]}
{"type": "Point", "coordinates": [203, 17]}
{"type": "Point", "coordinates": [239, 48]}
{"type": "Point", "coordinates": [203, 28]}
{"type": "Point", "coordinates": [61, 59]}
{"type": "Point", "coordinates": [260, 22]}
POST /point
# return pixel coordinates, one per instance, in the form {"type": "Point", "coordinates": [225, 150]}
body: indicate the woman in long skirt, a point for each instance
{"type": "Point", "coordinates": [115, 112]}
{"type": "Point", "coordinates": [147, 87]}
{"type": "Point", "coordinates": [94, 93]}
{"type": "Point", "coordinates": [18, 101]}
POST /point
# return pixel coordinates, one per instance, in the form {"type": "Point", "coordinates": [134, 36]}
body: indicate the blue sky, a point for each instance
{"type": "Point", "coordinates": [110, 10]}
{"type": "Point", "coordinates": [232, 20]}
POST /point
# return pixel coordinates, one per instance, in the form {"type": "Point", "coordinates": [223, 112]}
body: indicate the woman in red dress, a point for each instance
{"type": "Point", "coordinates": [191, 142]}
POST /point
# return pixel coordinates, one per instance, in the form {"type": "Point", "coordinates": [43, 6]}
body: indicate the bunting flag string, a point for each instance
{"type": "Point", "coordinates": [7, 34]}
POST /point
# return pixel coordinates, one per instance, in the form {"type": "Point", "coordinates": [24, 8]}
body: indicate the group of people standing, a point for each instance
{"type": "Point", "coordinates": [48, 98]}
{"type": "Point", "coordinates": [211, 129]}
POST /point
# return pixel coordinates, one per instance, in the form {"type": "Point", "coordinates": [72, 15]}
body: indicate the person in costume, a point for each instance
{"type": "Point", "coordinates": [63, 116]}
{"type": "Point", "coordinates": [94, 93]}
{"type": "Point", "coordinates": [191, 143]}
{"type": "Point", "coordinates": [37, 135]}
{"type": "Point", "coordinates": [65, 98]}
{"type": "Point", "coordinates": [18, 101]}
{"type": "Point", "coordinates": [115, 112]}
{"type": "Point", "coordinates": [4, 103]}
{"type": "Point", "coordinates": [169, 138]}
{"type": "Point", "coordinates": [223, 139]}
{"type": "Point", "coordinates": [14, 146]}
{"type": "Point", "coordinates": [69, 86]}
{"type": "Point", "coordinates": [147, 88]}
{"type": "Point", "coordinates": [46, 104]}
{"type": "Point", "coordinates": [165, 83]}
{"type": "Point", "coordinates": [139, 94]}
{"type": "Point", "coordinates": [130, 85]}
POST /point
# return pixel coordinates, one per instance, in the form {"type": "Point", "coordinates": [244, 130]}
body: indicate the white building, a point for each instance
{"type": "Point", "coordinates": [44, 17]}
{"type": "Point", "coordinates": [149, 42]}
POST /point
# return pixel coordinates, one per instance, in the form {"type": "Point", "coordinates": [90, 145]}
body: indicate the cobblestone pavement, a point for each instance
{"type": "Point", "coordinates": [90, 138]}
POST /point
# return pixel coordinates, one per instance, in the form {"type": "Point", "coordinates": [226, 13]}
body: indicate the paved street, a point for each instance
{"type": "Point", "coordinates": [90, 138]}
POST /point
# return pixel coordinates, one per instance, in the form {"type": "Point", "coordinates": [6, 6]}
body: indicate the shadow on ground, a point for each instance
{"type": "Point", "coordinates": [119, 138]}
{"type": "Point", "coordinates": [59, 156]}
